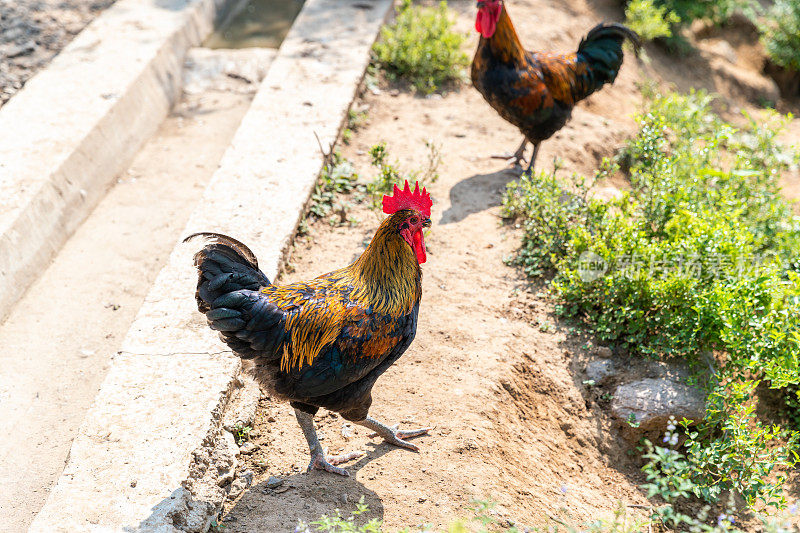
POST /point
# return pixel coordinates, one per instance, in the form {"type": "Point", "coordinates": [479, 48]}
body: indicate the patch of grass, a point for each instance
{"type": "Point", "coordinates": [241, 432]}
{"type": "Point", "coordinates": [390, 174]}
{"type": "Point", "coordinates": [485, 520]}
{"type": "Point", "coordinates": [422, 47]}
{"type": "Point", "coordinates": [699, 257]}
{"type": "Point", "coordinates": [781, 33]}
{"type": "Point", "coordinates": [355, 121]}
{"type": "Point", "coordinates": [337, 177]}
{"type": "Point", "coordinates": [649, 20]}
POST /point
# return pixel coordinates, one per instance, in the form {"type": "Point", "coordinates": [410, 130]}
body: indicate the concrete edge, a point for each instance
{"type": "Point", "coordinates": [152, 453]}
{"type": "Point", "coordinates": [79, 122]}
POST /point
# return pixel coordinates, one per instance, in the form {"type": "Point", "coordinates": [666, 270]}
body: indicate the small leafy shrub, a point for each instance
{"type": "Point", "coordinates": [728, 451]}
{"type": "Point", "coordinates": [390, 174]}
{"type": "Point", "coordinates": [337, 177]}
{"type": "Point", "coordinates": [649, 20]}
{"type": "Point", "coordinates": [716, 11]}
{"type": "Point", "coordinates": [422, 47]}
{"type": "Point", "coordinates": [781, 33]}
{"type": "Point", "coordinates": [241, 433]}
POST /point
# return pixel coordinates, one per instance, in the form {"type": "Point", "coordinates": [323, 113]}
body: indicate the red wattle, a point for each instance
{"type": "Point", "coordinates": [418, 243]}
{"type": "Point", "coordinates": [486, 21]}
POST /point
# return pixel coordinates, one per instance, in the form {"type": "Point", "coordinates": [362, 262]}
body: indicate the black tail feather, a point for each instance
{"type": "Point", "coordinates": [238, 246]}
{"type": "Point", "coordinates": [613, 30]}
{"type": "Point", "coordinates": [224, 266]}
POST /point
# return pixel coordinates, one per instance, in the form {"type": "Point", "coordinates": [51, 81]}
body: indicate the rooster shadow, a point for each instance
{"type": "Point", "coordinates": [301, 497]}
{"type": "Point", "coordinates": [307, 496]}
{"type": "Point", "coordinates": [478, 193]}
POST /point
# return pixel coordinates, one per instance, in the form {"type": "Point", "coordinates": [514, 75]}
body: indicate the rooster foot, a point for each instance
{"type": "Point", "coordinates": [517, 158]}
{"type": "Point", "coordinates": [392, 435]}
{"type": "Point", "coordinates": [321, 461]}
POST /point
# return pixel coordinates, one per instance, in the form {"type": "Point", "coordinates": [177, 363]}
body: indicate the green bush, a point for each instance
{"type": "Point", "coordinates": [649, 20]}
{"type": "Point", "coordinates": [699, 257]}
{"type": "Point", "coordinates": [716, 11]}
{"type": "Point", "coordinates": [421, 46]}
{"type": "Point", "coordinates": [781, 33]}
{"type": "Point", "coordinates": [696, 252]}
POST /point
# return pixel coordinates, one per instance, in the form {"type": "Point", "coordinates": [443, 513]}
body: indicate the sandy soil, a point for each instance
{"type": "Point", "coordinates": [74, 317]}
{"type": "Point", "coordinates": [33, 31]}
{"type": "Point", "coordinates": [514, 423]}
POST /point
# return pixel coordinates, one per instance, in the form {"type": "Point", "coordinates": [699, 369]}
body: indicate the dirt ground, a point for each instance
{"type": "Point", "coordinates": [33, 31]}
{"type": "Point", "coordinates": [512, 420]}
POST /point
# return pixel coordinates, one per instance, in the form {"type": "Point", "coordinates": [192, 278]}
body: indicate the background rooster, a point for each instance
{"type": "Point", "coordinates": [536, 91]}
{"type": "Point", "coordinates": [324, 342]}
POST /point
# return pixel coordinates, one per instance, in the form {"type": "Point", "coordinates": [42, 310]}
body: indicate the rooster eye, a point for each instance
{"type": "Point", "coordinates": [413, 220]}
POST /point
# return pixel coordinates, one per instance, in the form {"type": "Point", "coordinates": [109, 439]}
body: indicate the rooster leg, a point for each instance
{"type": "Point", "coordinates": [318, 459]}
{"type": "Point", "coordinates": [517, 156]}
{"type": "Point", "coordinates": [529, 170]}
{"type": "Point", "coordinates": [392, 435]}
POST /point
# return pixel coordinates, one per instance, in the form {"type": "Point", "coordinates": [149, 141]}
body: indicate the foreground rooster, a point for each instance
{"type": "Point", "coordinates": [536, 91]}
{"type": "Point", "coordinates": [324, 342]}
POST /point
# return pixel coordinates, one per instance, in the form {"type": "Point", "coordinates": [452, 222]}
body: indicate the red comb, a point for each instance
{"type": "Point", "coordinates": [405, 199]}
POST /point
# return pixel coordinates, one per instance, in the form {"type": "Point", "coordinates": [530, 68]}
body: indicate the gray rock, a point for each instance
{"type": "Point", "coordinates": [652, 401]}
{"type": "Point", "coordinates": [603, 351]}
{"type": "Point", "coordinates": [274, 482]}
{"type": "Point", "coordinates": [248, 447]}
{"type": "Point", "coordinates": [599, 370]}
{"type": "Point", "coordinates": [240, 484]}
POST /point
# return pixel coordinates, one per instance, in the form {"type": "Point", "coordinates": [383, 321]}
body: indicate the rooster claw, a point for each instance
{"type": "Point", "coordinates": [394, 436]}
{"type": "Point", "coordinates": [320, 461]}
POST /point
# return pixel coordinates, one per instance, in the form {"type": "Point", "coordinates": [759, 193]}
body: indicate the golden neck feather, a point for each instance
{"type": "Point", "coordinates": [387, 274]}
{"type": "Point", "coordinates": [505, 44]}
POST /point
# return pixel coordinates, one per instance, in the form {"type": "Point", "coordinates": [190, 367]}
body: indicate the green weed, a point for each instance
{"type": "Point", "coordinates": [649, 20]}
{"type": "Point", "coordinates": [422, 47]}
{"type": "Point", "coordinates": [390, 174]}
{"type": "Point", "coordinates": [337, 177]}
{"type": "Point", "coordinates": [241, 432]}
{"type": "Point", "coordinates": [781, 33]}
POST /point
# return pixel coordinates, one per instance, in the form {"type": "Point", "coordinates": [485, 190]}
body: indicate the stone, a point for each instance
{"type": "Point", "coordinates": [274, 482]}
{"type": "Point", "coordinates": [248, 447]}
{"type": "Point", "coordinates": [599, 370]}
{"type": "Point", "coordinates": [651, 402]}
{"type": "Point", "coordinates": [603, 352]}
{"type": "Point", "coordinates": [242, 482]}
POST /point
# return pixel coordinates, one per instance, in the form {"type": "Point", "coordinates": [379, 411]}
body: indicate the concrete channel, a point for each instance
{"type": "Point", "coordinates": [134, 402]}
{"type": "Point", "coordinates": [57, 347]}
